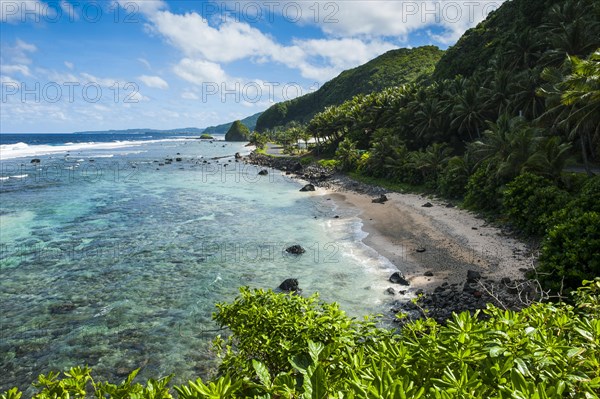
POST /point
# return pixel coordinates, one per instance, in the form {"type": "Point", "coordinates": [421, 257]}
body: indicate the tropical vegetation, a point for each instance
{"type": "Point", "coordinates": [288, 346]}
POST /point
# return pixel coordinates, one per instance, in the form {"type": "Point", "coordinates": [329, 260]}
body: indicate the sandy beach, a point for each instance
{"type": "Point", "coordinates": [454, 239]}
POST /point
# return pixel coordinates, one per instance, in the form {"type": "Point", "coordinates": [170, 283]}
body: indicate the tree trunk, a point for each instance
{"type": "Point", "coordinates": [586, 164]}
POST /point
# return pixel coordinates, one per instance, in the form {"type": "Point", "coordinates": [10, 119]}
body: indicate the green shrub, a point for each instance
{"type": "Point", "coordinates": [530, 200]}
{"type": "Point", "coordinates": [329, 163]}
{"type": "Point", "coordinates": [571, 252]}
{"type": "Point", "coordinates": [453, 179]}
{"type": "Point", "coordinates": [288, 346]}
{"type": "Point", "coordinates": [305, 161]}
{"type": "Point", "coordinates": [483, 191]}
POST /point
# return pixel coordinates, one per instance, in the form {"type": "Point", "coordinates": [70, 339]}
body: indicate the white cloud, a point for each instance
{"type": "Point", "coordinates": [20, 52]}
{"type": "Point", "coordinates": [339, 54]}
{"type": "Point", "coordinates": [234, 40]}
{"type": "Point", "coordinates": [105, 82]}
{"type": "Point", "coordinates": [188, 95]}
{"type": "Point", "coordinates": [200, 71]}
{"type": "Point", "coordinates": [383, 18]}
{"type": "Point", "coordinates": [145, 62]}
{"type": "Point", "coordinates": [229, 41]}
{"type": "Point", "coordinates": [7, 80]}
{"type": "Point", "coordinates": [21, 69]}
{"type": "Point", "coordinates": [154, 81]}
{"type": "Point", "coordinates": [69, 65]}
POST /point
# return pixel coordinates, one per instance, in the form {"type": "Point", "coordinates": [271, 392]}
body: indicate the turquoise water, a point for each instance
{"type": "Point", "coordinates": [117, 263]}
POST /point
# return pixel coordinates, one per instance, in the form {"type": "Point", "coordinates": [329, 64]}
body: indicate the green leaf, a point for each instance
{"type": "Point", "coordinates": [262, 372]}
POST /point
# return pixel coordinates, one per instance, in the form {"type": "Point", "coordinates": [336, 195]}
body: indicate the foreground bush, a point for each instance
{"type": "Point", "coordinates": [571, 251]}
{"type": "Point", "coordinates": [287, 346]}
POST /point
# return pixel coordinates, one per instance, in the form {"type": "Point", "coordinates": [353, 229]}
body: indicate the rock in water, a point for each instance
{"type": "Point", "coordinates": [290, 285]}
{"type": "Point", "coordinates": [398, 278]}
{"type": "Point", "coordinates": [295, 249]}
{"type": "Point", "coordinates": [35, 160]}
{"type": "Point", "coordinates": [238, 156]}
{"type": "Point", "coordinates": [382, 198]}
{"type": "Point", "coordinates": [308, 187]}
{"type": "Point", "coordinates": [263, 172]}
{"type": "Point", "coordinates": [237, 132]}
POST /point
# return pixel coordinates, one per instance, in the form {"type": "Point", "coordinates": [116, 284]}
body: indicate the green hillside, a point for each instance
{"type": "Point", "coordinates": [520, 32]}
{"type": "Point", "coordinates": [394, 68]}
{"type": "Point", "coordinates": [249, 121]}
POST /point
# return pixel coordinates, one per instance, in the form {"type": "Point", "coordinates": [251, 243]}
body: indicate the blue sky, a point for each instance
{"type": "Point", "coordinates": [73, 65]}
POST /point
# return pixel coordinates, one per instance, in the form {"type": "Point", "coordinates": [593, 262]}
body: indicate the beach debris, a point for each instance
{"type": "Point", "coordinates": [308, 187]}
{"type": "Point", "coordinates": [263, 172]}
{"type": "Point", "coordinates": [398, 278]}
{"type": "Point", "coordinates": [290, 285]}
{"type": "Point", "coordinates": [390, 291]}
{"type": "Point", "coordinates": [380, 200]}
{"type": "Point", "coordinates": [295, 250]}
{"type": "Point", "coordinates": [421, 249]}
{"type": "Point", "coordinates": [428, 273]}
{"type": "Point", "coordinates": [427, 205]}
{"type": "Point", "coordinates": [35, 160]}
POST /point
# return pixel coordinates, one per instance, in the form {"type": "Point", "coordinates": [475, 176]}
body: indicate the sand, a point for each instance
{"type": "Point", "coordinates": [454, 239]}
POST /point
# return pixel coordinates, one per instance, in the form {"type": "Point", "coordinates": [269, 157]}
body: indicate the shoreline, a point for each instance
{"type": "Point", "coordinates": [453, 244]}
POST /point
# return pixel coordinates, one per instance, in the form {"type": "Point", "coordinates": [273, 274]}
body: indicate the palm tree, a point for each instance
{"type": "Point", "coordinates": [550, 158]}
{"type": "Point", "coordinates": [347, 154]}
{"type": "Point", "coordinates": [468, 113]}
{"type": "Point", "coordinates": [431, 161]}
{"type": "Point", "coordinates": [525, 101]}
{"type": "Point", "coordinates": [507, 144]}
{"type": "Point", "coordinates": [573, 101]}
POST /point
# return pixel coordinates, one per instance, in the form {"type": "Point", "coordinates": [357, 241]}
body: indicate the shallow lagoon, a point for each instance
{"type": "Point", "coordinates": [117, 263]}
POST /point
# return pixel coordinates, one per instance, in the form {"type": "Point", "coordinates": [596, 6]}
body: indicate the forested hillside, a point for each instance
{"type": "Point", "coordinates": [393, 68]}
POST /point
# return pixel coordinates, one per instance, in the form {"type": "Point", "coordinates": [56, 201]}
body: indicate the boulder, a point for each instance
{"type": "Point", "coordinates": [238, 156]}
{"type": "Point", "coordinates": [473, 276]}
{"type": "Point", "coordinates": [390, 291]}
{"type": "Point", "coordinates": [380, 200]}
{"type": "Point", "coordinates": [398, 278]}
{"type": "Point", "coordinates": [178, 159]}
{"type": "Point", "coordinates": [428, 273]}
{"type": "Point", "coordinates": [289, 285]}
{"type": "Point", "coordinates": [427, 205]}
{"type": "Point", "coordinates": [421, 250]}
{"type": "Point", "coordinates": [308, 187]}
{"type": "Point", "coordinates": [36, 160]}
{"type": "Point", "coordinates": [263, 172]}
{"type": "Point", "coordinates": [295, 250]}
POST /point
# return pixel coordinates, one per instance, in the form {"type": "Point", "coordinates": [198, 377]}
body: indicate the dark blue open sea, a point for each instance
{"type": "Point", "coordinates": [113, 256]}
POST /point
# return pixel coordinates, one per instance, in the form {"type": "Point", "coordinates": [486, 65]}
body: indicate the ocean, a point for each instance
{"type": "Point", "coordinates": [114, 250]}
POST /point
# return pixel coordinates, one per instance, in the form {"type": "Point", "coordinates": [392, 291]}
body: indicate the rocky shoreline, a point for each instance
{"type": "Point", "coordinates": [471, 291]}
